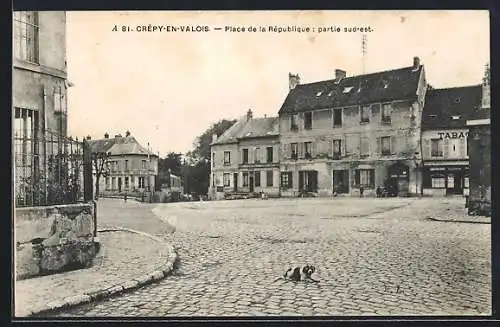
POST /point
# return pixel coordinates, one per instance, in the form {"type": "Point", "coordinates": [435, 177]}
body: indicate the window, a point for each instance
{"type": "Point", "coordinates": [294, 150]}
{"type": "Point", "coordinates": [365, 114]}
{"type": "Point", "coordinates": [386, 113]}
{"type": "Point", "coordinates": [245, 155]}
{"type": "Point", "coordinates": [143, 163]}
{"type": "Point", "coordinates": [227, 158]}
{"type": "Point", "coordinates": [107, 184]}
{"type": "Point", "coordinates": [256, 156]}
{"type": "Point", "coordinates": [26, 31]}
{"type": "Point", "coordinates": [126, 183]}
{"type": "Point", "coordinates": [436, 147]}
{"type": "Point", "coordinates": [308, 120]}
{"type": "Point", "coordinates": [269, 178]}
{"type": "Point", "coordinates": [141, 182]}
{"type": "Point", "coordinates": [293, 123]}
{"type": "Point", "coordinates": [257, 178]}
{"type": "Point", "coordinates": [269, 151]}
{"type": "Point", "coordinates": [245, 179]}
{"type": "Point", "coordinates": [113, 182]}
{"type": "Point", "coordinates": [337, 117]}
{"type": "Point", "coordinates": [438, 181]}
{"type": "Point", "coordinates": [365, 147]}
{"type": "Point", "coordinates": [227, 179]}
{"type": "Point", "coordinates": [466, 182]}
{"type": "Point", "coordinates": [126, 164]}
{"type": "Point", "coordinates": [337, 148]}
{"type": "Point", "coordinates": [308, 150]}
{"type": "Point", "coordinates": [385, 143]}
{"type": "Point", "coordinates": [347, 89]}
{"type": "Point", "coordinates": [213, 159]}
{"type": "Point", "coordinates": [365, 177]}
{"type": "Point", "coordinates": [286, 180]}
{"type": "Point", "coordinates": [25, 135]}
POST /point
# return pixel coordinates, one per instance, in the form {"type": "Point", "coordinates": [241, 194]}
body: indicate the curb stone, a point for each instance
{"type": "Point", "coordinates": [458, 221]}
{"type": "Point", "coordinates": [108, 291]}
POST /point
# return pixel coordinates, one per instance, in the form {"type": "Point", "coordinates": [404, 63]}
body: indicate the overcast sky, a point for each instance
{"type": "Point", "coordinates": [167, 87]}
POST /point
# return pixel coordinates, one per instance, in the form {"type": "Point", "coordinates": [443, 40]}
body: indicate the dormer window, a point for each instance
{"type": "Point", "coordinates": [432, 116]}
{"type": "Point", "coordinates": [331, 93]}
{"type": "Point", "coordinates": [347, 89]}
{"type": "Point", "coordinates": [319, 93]}
{"type": "Point", "coordinates": [457, 100]}
{"type": "Point", "coordinates": [455, 117]}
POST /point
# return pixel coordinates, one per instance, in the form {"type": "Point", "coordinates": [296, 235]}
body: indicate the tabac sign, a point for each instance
{"type": "Point", "coordinates": [453, 135]}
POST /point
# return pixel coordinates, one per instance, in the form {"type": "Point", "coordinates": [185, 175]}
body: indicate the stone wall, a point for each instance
{"type": "Point", "coordinates": [54, 239]}
{"type": "Point", "coordinates": [480, 170]}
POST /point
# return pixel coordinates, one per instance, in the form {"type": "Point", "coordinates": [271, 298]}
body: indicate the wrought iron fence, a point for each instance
{"type": "Point", "coordinates": [49, 169]}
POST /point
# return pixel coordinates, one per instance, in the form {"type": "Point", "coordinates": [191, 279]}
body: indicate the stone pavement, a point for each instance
{"type": "Point", "coordinates": [373, 257]}
{"type": "Point", "coordinates": [125, 261]}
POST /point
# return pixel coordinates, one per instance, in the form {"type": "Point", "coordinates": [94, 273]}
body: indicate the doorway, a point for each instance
{"type": "Point", "coordinates": [308, 181]}
{"type": "Point", "coordinates": [454, 183]}
{"type": "Point", "coordinates": [398, 182]}
{"type": "Point", "coordinates": [340, 181]}
{"type": "Point", "coordinates": [251, 183]}
{"type": "Point", "coordinates": [119, 184]}
{"type": "Point", "coordinates": [235, 182]}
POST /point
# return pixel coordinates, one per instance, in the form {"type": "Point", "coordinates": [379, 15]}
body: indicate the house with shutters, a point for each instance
{"type": "Point", "coordinates": [245, 158]}
{"type": "Point", "coordinates": [445, 150]}
{"type": "Point", "coordinates": [353, 132]}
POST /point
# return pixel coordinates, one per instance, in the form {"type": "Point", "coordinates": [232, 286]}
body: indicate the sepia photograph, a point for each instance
{"type": "Point", "coordinates": [251, 164]}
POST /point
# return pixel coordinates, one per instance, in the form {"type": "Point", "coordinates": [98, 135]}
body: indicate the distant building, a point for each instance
{"type": "Point", "coordinates": [245, 158]}
{"type": "Point", "coordinates": [480, 155]}
{"type": "Point", "coordinates": [444, 139]}
{"type": "Point", "coordinates": [351, 133]}
{"type": "Point", "coordinates": [130, 168]}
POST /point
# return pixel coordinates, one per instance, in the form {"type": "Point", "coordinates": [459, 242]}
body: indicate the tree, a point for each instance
{"type": "Point", "coordinates": [172, 161]}
{"type": "Point", "coordinates": [202, 143]}
{"type": "Point", "coordinates": [100, 167]}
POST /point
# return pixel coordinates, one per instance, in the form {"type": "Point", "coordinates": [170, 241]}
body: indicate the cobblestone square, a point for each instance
{"type": "Point", "coordinates": [373, 257]}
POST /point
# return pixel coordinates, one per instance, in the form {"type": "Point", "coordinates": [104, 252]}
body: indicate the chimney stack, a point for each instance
{"type": "Point", "coordinates": [485, 96]}
{"type": "Point", "coordinates": [293, 80]}
{"type": "Point", "coordinates": [416, 63]}
{"type": "Point", "coordinates": [118, 135]}
{"type": "Point", "coordinates": [214, 138]}
{"type": "Point", "coordinates": [339, 74]}
{"type": "Point", "coordinates": [249, 114]}
{"type": "Point", "coordinates": [127, 133]}
{"type": "Point", "coordinates": [106, 136]}
{"type": "Point", "coordinates": [88, 137]}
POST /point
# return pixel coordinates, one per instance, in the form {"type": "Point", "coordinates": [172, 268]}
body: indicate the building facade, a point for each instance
{"type": "Point", "coordinates": [39, 92]}
{"type": "Point", "coordinates": [444, 137]}
{"type": "Point", "coordinates": [353, 134]}
{"type": "Point", "coordinates": [130, 168]}
{"type": "Point", "coordinates": [245, 158]}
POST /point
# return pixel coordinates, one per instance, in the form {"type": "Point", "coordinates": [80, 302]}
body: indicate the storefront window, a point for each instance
{"type": "Point", "coordinates": [438, 181]}
{"type": "Point", "coordinates": [466, 182]}
{"type": "Point", "coordinates": [451, 181]}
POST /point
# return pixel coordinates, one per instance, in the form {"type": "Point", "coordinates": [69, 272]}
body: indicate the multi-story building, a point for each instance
{"type": "Point", "coordinates": [130, 167]}
{"type": "Point", "coordinates": [445, 149]}
{"type": "Point", "coordinates": [351, 133]}
{"type": "Point", "coordinates": [39, 93]}
{"type": "Point", "coordinates": [480, 154]}
{"type": "Point", "coordinates": [245, 158]}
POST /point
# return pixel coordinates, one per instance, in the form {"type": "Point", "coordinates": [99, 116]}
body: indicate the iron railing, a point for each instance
{"type": "Point", "coordinates": [48, 169]}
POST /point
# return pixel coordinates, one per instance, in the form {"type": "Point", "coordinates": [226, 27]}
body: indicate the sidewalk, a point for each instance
{"type": "Point", "coordinates": [127, 259]}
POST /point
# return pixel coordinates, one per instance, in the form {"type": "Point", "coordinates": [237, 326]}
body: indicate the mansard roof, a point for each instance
{"type": "Point", "coordinates": [251, 128]}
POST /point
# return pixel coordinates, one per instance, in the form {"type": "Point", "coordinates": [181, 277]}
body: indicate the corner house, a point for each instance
{"type": "Point", "coordinates": [444, 139]}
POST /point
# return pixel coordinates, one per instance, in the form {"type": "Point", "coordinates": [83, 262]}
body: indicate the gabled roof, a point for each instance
{"type": "Point", "coordinates": [119, 146]}
{"type": "Point", "coordinates": [452, 107]}
{"type": "Point", "coordinates": [398, 84]}
{"type": "Point", "coordinates": [251, 128]}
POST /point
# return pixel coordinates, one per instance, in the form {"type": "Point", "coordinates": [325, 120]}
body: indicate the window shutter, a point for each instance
{"type": "Point", "coordinates": [313, 149]}
{"type": "Point", "coordinates": [290, 180]}
{"type": "Point", "coordinates": [394, 144]}
{"type": "Point", "coordinates": [379, 146]}
{"type": "Point", "coordinates": [343, 146]}
{"type": "Point", "coordinates": [301, 149]}
{"type": "Point", "coordinates": [446, 146]}
{"type": "Point", "coordinates": [286, 151]}
{"type": "Point", "coordinates": [356, 177]}
{"type": "Point", "coordinates": [372, 177]}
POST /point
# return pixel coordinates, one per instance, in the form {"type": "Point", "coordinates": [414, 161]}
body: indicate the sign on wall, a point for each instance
{"type": "Point", "coordinates": [453, 135]}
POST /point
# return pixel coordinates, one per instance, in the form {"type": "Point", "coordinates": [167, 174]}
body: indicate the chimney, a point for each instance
{"type": "Point", "coordinates": [106, 136]}
{"type": "Point", "coordinates": [416, 63]}
{"type": "Point", "coordinates": [214, 138]}
{"type": "Point", "coordinates": [293, 80]}
{"type": "Point", "coordinates": [339, 74]}
{"type": "Point", "coordinates": [127, 133]}
{"type": "Point", "coordinates": [88, 137]}
{"type": "Point", "coordinates": [249, 114]}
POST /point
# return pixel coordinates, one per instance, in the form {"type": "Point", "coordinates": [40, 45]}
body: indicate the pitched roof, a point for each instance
{"type": "Point", "coordinates": [119, 146]}
{"type": "Point", "coordinates": [254, 127]}
{"type": "Point", "coordinates": [355, 90]}
{"type": "Point", "coordinates": [452, 107]}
